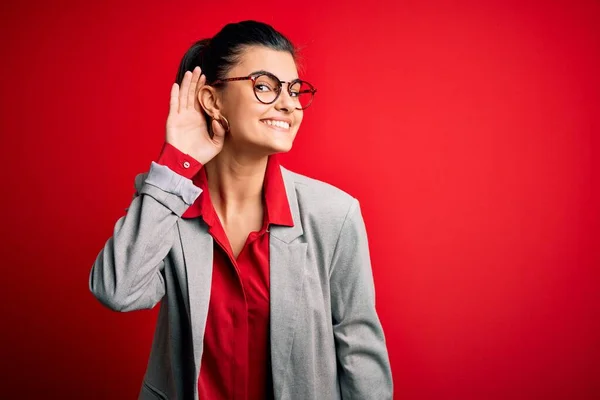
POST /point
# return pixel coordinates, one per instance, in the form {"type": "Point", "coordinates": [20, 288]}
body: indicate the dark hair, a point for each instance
{"type": "Point", "coordinates": [218, 55]}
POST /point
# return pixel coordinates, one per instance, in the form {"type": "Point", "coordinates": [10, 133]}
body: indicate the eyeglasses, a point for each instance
{"type": "Point", "coordinates": [267, 88]}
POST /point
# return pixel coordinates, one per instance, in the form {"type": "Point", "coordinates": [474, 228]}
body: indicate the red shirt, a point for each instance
{"type": "Point", "coordinates": [236, 358]}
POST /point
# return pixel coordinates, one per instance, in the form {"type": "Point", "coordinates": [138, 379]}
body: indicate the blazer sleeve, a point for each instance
{"type": "Point", "coordinates": [127, 273]}
{"type": "Point", "coordinates": [363, 364]}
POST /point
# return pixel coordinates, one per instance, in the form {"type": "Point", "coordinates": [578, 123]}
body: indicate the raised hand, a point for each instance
{"type": "Point", "coordinates": [186, 124]}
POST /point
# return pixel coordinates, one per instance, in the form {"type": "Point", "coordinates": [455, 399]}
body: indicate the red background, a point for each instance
{"type": "Point", "coordinates": [468, 131]}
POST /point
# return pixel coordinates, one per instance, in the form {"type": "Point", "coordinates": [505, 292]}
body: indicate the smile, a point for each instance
{"type": "Point", "coordinates": [276, 124]}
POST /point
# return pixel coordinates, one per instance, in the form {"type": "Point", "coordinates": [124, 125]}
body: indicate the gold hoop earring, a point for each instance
{"type": "Point", "coordinates": [222, 119]}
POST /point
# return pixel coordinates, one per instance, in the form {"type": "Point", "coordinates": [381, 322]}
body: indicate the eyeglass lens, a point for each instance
{"type": "Point", "coordinates": [267, 89]}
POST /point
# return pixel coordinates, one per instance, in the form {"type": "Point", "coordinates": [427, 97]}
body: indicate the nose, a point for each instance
{"type": "Point", "coordinates": [285, 102]}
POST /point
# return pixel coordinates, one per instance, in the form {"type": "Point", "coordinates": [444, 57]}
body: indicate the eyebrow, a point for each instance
{"type": "Point", "coordinates": [262, 71]}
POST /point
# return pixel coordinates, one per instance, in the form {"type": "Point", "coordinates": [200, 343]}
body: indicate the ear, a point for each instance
{"type": "Point", "coordinates": [210, 101]}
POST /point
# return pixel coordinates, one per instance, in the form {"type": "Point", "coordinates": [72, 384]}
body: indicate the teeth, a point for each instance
{"type": "Point", "coordinates": [280, 124]}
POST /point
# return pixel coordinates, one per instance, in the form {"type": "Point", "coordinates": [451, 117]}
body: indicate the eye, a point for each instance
{"type": "Point", "coordinates": [265, 84]}
{"type": "Point", "coordinates": [296, 88]}
{"type": "Point", "coordinates": [262, 87]}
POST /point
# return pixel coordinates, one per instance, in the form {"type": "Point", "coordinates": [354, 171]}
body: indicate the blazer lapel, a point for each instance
{"type": "Point", "coordinates": [197, 247]}
{"type": "Point", "coordinates": [287, 263]}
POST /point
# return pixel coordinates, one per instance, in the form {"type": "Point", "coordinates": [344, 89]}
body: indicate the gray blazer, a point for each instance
{"type": "Point", "coordinates": [326, 338]}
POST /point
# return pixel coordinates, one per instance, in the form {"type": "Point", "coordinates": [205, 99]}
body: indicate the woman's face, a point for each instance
{"type": "Point", "coordinates": [252, 123]}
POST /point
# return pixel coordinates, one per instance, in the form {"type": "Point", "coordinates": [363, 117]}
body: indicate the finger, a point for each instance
{"type": "Point", "coordinates": [174, 100]}
{"type": "Point", "coordinates": [183, 90]}
{"type": "Point", "coordinates": [201, 83]}
{"type": "Point", "coordinates": [192, 89]}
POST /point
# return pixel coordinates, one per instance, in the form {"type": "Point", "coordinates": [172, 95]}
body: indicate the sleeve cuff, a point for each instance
{"type": "Point", "coordinates": [179, 162]}
{"type": "Point", "coordinates": [167, 180]}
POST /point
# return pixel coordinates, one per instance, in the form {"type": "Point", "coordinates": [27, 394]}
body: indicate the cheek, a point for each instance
{"type": "Point", "coordinates": [298, 118]}
{"type": "Point", "coordinates": [246, 116]}
{"type": "Point", "coordinates": [237, 100]}
{"type": "Point", "coordinates": [241, 109]}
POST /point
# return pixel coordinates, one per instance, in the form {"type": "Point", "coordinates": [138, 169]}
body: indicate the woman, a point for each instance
{"type": "Point", "coordinates": [263, 274]}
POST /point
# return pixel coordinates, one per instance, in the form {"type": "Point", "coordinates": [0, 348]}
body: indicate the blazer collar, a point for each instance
{"type": "Point", "coordinates": [288, 233]}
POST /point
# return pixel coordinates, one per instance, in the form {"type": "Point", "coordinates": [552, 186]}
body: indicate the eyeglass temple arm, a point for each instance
{"type": "Point", "coordinates": [241, 78]}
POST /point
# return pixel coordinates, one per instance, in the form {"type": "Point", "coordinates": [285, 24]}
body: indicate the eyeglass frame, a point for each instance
{"type": "Point", "coordinates": [255, 75]}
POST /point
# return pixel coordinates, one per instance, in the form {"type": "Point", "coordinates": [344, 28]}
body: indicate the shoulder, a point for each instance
{"type": "Point", "coordinates": [330, 217]}
{"type": "Point", "coordinates": [317, 197]}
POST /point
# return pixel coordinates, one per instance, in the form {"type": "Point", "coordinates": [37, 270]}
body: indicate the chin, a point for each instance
{"type": "Point", "coordinates": [266, 149]}
{"type": "Point", "coordinates": [280, 148]}
{"type": "Point", "coordinates": [279, 145]}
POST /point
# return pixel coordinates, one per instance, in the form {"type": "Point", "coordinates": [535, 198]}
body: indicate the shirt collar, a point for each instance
{"type": "Point", "coordinates": [274, 197]}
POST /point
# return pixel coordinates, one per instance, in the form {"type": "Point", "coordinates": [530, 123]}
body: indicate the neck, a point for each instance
{"type": "Point", "coordinates": [235, 182]}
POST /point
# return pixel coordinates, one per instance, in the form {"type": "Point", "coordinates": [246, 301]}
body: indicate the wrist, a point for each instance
{"type": "Point", "coordinates": [178, 161]}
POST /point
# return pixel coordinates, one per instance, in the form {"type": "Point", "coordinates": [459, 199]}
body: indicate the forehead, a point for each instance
{"type": "Point", "coordinates": [257, 58]}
